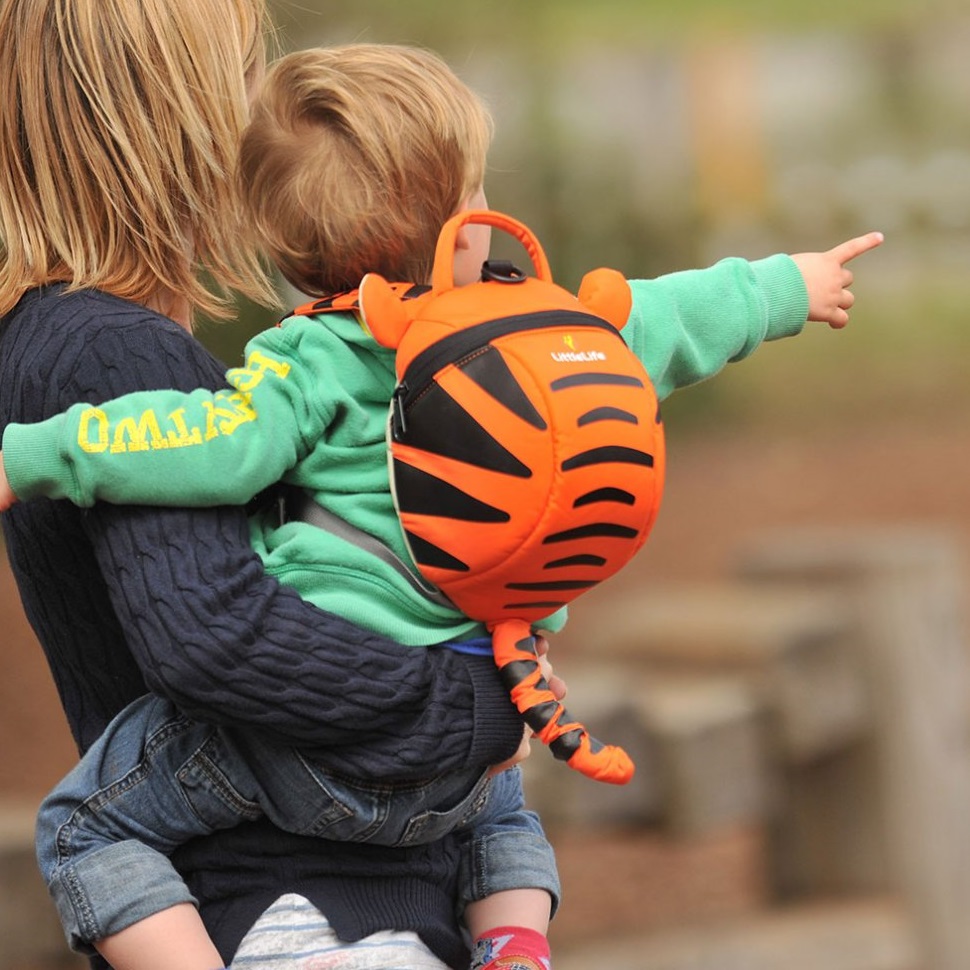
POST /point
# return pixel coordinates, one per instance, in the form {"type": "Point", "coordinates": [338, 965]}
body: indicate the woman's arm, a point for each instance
{"type": "Point", "coordinates": [228, 644]}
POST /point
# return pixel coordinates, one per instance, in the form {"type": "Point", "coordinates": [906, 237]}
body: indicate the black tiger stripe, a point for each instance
{"type": "Point", "coordinates": [517, 671]}
{"type": "Point", "coordinates": [436, 422]}
{"type": "Point", "coordinates": [587, 559]}
{"type": "Point", "coordinates": [592, 378]}
{"type": "Point", "coordinates": [535, 605]}
{"type": "Point", "coordinates": [607, 414]}
{"type": "Point", "coordinates": [539, 715]}
{"type": "Point", "coordinates": [564, 584]}
{"type": "Point", "coordinates": [421, 493]}
{"type": "Point", "coordinates": [491, 373]}
{"type": "Point", "coordinates": [428, 554]}
{"type": "Point", "coordinates": [566, 745]}
{"type": "Point", "coordinates": [619, 495]}
{"type": "Point", "coordinates": [608, 454]}
{"type": "Point", "coordinates": [596, 530]}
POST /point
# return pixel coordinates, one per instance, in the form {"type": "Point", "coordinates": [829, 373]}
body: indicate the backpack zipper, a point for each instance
{"type": "Point", "coordinates": [460, 346]}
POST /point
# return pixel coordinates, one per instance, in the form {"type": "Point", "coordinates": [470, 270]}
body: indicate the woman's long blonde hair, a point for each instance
{"type": "Point", "coordinates": [119, 127]}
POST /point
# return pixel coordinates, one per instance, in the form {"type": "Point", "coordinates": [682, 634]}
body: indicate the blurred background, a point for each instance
{"type": "Point", "coordinates": [808, 562]}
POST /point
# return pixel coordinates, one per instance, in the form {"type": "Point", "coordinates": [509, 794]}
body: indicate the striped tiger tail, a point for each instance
{"type": "Point", "coordinates": [515, 654]}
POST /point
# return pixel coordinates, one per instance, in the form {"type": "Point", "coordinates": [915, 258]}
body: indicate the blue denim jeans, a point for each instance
{"type": "Point", "coordinates": [156, 779]}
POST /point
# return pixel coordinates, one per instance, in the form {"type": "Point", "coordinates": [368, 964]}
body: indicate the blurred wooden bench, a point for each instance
{"type": "Point", "coordinates": [821, 693]}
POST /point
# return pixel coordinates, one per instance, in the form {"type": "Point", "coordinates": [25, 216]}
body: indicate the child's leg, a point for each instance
{"type": "Point", "coordinates": [508, 882]}
{"type": "Point", "coordinates": [173, 939]}
{"type": "Point", "coordinates": [104, 831]}
{"type": "Point", "coordinates": [528, 908]}
{"type": "Point", "coordinates": [510, 924]}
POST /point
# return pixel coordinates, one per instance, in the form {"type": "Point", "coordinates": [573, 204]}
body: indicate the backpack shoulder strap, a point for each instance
{"type": "Point", "coordinates": [299, 506]}
{"type": "Point", "coordinates": [349, 302]}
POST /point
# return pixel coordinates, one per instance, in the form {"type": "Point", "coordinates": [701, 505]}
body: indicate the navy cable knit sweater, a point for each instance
{"type": "Point", "coordinates": [125, 598]}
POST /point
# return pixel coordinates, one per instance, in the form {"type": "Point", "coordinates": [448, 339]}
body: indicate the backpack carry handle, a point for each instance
{"type": "Point", "coordinates": [443, 274]}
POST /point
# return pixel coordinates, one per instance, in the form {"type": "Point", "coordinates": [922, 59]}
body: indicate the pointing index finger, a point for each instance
{"type": "Point", "coordinates": [852, 248]}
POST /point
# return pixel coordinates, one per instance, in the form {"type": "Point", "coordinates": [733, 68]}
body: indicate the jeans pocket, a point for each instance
{"type": "Point", "coordinates": [434, 824]}
{"type": "Point", "coordinates": [212, 788]}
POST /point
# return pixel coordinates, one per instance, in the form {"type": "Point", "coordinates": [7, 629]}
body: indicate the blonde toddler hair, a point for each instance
{"type": "Point", "coordinates": [120, 122]}
{"type": "Point", "coordinates": [355, 157]}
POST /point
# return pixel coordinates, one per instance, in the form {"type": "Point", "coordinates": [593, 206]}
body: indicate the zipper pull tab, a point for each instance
{"type": "Point", "coordinates": [399, 425]}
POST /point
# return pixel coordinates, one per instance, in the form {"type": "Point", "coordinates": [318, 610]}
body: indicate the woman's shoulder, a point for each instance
{"type": "Point", "coordinates": [95, 345]}
{"type": "Point", "coordinates": [89, 314]}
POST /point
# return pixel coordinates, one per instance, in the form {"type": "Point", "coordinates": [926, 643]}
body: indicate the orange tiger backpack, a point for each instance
{"type": "Point", "coordinates": [526, 452]}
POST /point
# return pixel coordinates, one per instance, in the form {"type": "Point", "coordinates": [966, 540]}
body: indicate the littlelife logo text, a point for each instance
{"type": "Point", "coordinates": [574, 356]}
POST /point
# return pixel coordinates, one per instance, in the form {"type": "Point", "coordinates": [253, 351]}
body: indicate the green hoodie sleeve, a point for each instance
{"type": "Point", "coordinates": [686, 326]}
{"type": "Point", "coordinates": [147, 447]}
{"type": "Point", "coordinates": [167, 447]}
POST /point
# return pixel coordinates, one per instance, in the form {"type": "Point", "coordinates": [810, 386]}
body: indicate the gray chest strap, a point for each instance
{"type": "Point", "coordinates": [298, 506]}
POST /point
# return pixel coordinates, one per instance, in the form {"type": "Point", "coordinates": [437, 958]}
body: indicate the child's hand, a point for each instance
{"type": "Point", "coordinates": [828, 281]}
{"type": "Point", "coordinates": [7, 497]}
{"type": "Point", "coordinates": [556, 684]}
{"type": "Point", "coordinates": [523, 752]}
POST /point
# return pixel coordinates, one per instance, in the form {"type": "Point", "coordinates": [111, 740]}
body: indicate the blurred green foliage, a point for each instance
{"type": "Point", "coordinates": [510, 22]}
{"type": "Point", "coordinates": [558, 165]}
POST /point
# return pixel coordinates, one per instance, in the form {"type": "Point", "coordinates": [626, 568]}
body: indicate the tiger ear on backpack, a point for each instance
{"type": "Point", "coordinates": [384, 313]}
{"type": "Point", "coordinates": [606, 293]}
